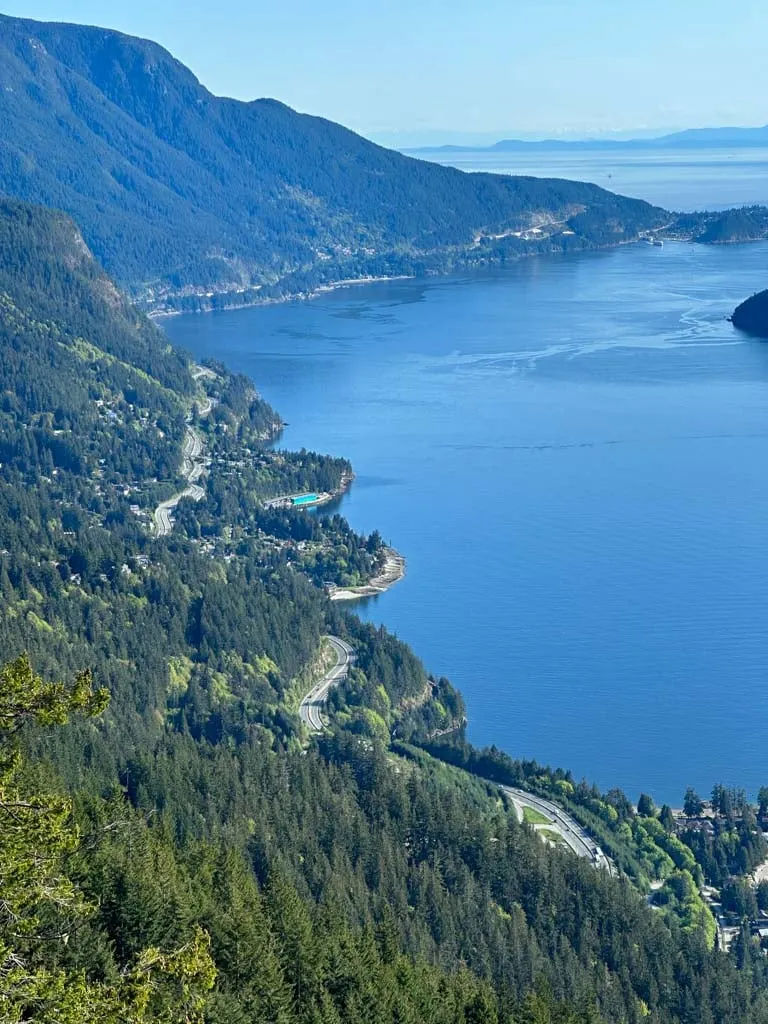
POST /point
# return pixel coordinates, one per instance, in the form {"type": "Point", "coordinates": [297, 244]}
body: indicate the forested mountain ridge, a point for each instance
{"type": "Point", "coordinates": [182, 194]}
{"type": "Point", "coordinates": [267, 876]}
{"type": "Point", "coordinates": [95, 406]}
{"type": "Point", "coordinates": [66, 402]}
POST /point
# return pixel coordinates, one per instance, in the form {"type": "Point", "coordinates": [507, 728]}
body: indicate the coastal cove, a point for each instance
{"type": "Point", "coordinates": [569, 455]}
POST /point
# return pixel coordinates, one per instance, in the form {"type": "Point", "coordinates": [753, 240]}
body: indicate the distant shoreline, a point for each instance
{"type": "Point", "coordinates": [158, 314]}
{"type": "Point", "coordinates": [666, 232]}
{"type": "Point", "coordinates": [161, 314]}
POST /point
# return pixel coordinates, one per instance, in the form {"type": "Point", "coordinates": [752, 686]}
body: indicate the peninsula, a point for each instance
{"type": "Point", "coordinates": [391, 571]}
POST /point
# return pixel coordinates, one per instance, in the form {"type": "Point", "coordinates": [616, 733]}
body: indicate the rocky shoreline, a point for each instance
{"type": "Point", "coordinates": [391, 572]}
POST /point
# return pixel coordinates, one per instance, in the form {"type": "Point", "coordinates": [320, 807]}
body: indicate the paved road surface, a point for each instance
{"type": "Point", "coordinates": [192, 464]}
{"type": "Point", "coordinates": [192, 468]}
{"type": "Point", "coordinates": [206, 406]}
{"type": "Point", "coordinates": [312, 704]}
{"type": "Point", "coordinates": [201, 371]}
{"type": "Point", "coordinates": [576, 837]}
{"type": "Point", "coordinates": [162, 516]}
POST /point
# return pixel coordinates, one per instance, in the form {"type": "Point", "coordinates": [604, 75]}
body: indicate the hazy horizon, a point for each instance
{"type": "Point", "coordinates": [431, 74]}
{"type": "Point", "coordinates": [481, 140]}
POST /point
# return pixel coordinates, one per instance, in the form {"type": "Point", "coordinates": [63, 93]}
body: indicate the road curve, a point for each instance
{"type": "Point", "coordinates": [192, 468]}
{"type": "Point", "coordinates": [192, 464]}
{"type": "Point", "coordinates": [312, 704]}
{"type": "Point", "coordinates": [570, 831]}
{"type": "Point", "coordinates": [162, 514]}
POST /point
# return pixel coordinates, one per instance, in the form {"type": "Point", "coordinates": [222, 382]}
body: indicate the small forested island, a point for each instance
{"type": "Point", "coordinates": [751, 316]}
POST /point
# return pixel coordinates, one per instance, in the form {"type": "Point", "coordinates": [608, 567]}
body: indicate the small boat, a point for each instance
{"type": "Point", "coordinates": [658, 242]}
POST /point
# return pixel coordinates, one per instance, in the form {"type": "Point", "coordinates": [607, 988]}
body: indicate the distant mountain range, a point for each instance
{"type": "Point", "coordinates": [692, 138]}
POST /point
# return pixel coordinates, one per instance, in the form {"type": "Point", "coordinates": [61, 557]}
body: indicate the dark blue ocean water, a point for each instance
{"type": "Point", "coordinates": [572, 455]}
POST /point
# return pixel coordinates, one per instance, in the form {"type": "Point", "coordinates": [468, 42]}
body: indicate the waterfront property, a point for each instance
{"type": "Point", "coordinates": [310, 500]}
{"type": "Point", "coordinates": [566, 451]}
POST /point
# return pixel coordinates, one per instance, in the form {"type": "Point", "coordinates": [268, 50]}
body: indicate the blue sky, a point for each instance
{"type": "Point", "coordinates": [434, 70]}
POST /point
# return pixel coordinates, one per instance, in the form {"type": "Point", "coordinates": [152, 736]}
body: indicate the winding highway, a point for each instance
{"type": "Point", "coordinates": [192, 468]}
{"type": "Point", "coordinates": [310, 709]}
{"type": "Point", "coordinates": [557, 820]}
{"type": "Point", "coordinates": [312, 704]}
{"type": "Point", "coordinates": [569, 830]}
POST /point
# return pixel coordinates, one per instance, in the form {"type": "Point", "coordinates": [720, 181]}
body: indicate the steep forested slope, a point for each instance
{"type": "Point", "coordinates": [326, 881]}
{"type": "Point", "coordinates": [175, 186]}
{"type": "Point", "coordinates": [95, 407]}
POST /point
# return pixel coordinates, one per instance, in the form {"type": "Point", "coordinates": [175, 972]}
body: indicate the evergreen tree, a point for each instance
{"type": "Point", "coordinates": [40, 903]}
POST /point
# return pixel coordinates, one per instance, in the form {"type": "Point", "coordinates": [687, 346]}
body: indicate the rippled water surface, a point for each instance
{"type": "Point", "coordinates": [572, 454]}
{"type": "Point", "coordinates": [677, 179]}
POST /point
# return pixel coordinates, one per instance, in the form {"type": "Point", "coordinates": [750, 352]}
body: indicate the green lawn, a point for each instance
{"type": "Point", "coordinates": [552, 836]}
{"type": "Point", "coordinates": [533, 817]}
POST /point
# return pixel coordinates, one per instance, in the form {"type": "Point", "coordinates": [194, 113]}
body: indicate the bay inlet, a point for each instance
{"type": "Point", "coordinates": [570, 453]}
